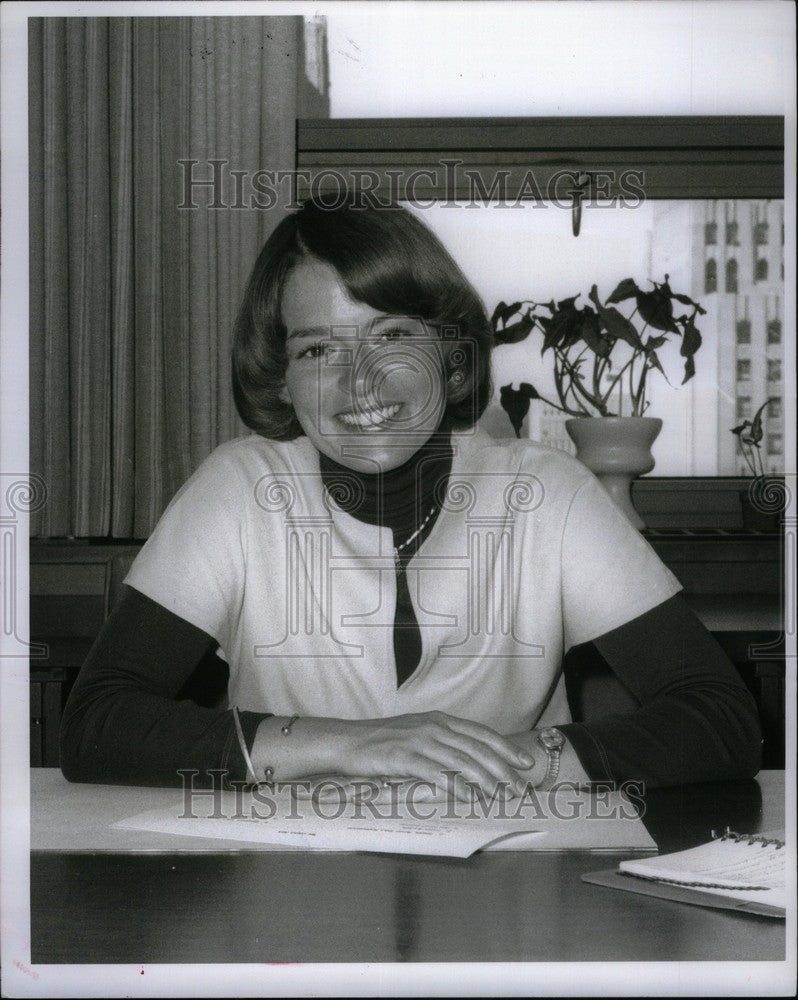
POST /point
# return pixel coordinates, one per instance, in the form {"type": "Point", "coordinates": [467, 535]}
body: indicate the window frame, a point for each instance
{"type": "Point", "coordinates": [681, 157]}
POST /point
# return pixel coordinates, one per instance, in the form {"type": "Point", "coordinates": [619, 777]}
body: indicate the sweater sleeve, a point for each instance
{"type": "Point", "coordinates": [125, 721]}
{"type": "Point", "coordinates": [696, 720]}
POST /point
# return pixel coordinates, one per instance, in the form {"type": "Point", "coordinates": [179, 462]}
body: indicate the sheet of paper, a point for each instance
{"type": "Point", "coordinates": [310, 831]}
{"type": "Point", "coordinates": [575, 820]}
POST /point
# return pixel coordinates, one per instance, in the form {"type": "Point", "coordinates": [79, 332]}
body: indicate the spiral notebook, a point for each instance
{"type": "Point", "coordinates": [733, 871]}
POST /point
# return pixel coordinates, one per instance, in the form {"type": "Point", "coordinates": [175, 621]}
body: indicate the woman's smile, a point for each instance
{"type": "Point", "coordinates": [370, 418]}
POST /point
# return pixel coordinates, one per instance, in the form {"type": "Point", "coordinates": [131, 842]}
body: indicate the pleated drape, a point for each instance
{"type": "Point", "coordinates": [132, 297]}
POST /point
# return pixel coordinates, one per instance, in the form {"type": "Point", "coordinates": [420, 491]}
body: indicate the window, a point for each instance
{"type": "Point", "coordinates": [743, 369]}
{"type": "Point", "coordinates": [761, 269]}
{"type": "Point", "coordinates": [533, 254]}
{"type": "Point", "coordinates": [732, 234]}
{"type": "Point", "coordinates": [775, 444]}
{"type": "Point", "coordinates": [761, 234]}
{"type": "Point", "coordinates": [711, 233]}
{"type": "Point", "coordinates": [774, 331]}
{"type": "Point", "coordinates": [774, 369]}
{"type": "Point", "coordinates": [710, 276]}
{"type": "Point", "coordinates": [731, 275]}
{"type": "Point", "coordinates": [743, 407]}
{"type": "Point", "coordinates": [743, 331]}
{"type": "Point", "coordinates": [774, 411]}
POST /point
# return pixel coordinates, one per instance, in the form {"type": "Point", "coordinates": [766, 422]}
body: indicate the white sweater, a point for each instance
{"type": "Point", "coordinates": [527, 558]}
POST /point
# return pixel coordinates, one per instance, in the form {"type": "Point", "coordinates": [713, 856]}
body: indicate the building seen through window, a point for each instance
{"type": "Point", "coordinates": [775, 444]}
{"type": "Point", "coordinates": [711, 276]}
{"type": "Point", "coordinates": [743, 331]}
{"type": "Point", "coordinates": [731, 275]}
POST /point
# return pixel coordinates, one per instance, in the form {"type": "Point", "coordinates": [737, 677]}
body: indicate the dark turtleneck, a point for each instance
{"type": "Point", "coordinates": [401, 499]}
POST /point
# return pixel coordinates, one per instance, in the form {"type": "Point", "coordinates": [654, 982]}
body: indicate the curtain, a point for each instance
{"type": "Point", "coordinates": [132, 297]}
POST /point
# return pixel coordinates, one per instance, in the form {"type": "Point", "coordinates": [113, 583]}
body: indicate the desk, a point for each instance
{"type": "Point", "coordinates": [275, 906]}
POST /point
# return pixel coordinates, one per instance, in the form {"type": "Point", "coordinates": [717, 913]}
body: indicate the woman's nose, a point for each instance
{"type": "Point", "coordinates": [371, 365]}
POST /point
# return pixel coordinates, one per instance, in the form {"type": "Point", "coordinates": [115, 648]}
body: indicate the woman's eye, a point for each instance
{"type": "Point", "coordinates": [394, 333]}
{"type": "Point", "coordinates": [313, 350]}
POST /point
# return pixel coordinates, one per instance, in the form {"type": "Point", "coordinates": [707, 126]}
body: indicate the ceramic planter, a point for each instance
{"type": "Point", "coordinates": [617, 450]}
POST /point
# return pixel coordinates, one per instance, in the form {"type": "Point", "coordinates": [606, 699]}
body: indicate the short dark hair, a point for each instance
{"type": "Point", "coordinates": [386, 258]}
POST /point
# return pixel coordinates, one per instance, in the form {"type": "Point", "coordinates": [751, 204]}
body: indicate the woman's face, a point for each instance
{"type": "Point", "coordinates": [367, 388]}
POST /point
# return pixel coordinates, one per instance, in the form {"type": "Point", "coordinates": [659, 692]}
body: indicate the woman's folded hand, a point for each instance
{"type": "Point", "coordinates": [453, 755]}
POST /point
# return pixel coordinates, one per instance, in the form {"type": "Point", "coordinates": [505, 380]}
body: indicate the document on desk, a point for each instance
{"type": "Point", "coordinates": [574, 819]}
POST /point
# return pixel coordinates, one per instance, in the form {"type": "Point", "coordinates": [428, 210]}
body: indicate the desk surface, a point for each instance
{"type": "Point", "coordinates": [298, 907]}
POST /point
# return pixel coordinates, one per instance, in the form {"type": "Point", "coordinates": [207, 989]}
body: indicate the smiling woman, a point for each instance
{"type": "Point", "coordinates": [392, 589]}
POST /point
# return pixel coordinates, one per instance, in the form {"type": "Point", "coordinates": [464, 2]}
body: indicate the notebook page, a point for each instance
{"type": "Point", "coordinates": [726, 863]}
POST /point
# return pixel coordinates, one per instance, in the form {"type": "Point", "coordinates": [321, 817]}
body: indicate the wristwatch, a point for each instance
{"type": "Point", "coordinates": [552, 741]}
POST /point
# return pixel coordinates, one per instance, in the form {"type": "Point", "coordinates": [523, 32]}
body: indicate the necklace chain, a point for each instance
{"type": "Point", "coordinates": [416, 533]}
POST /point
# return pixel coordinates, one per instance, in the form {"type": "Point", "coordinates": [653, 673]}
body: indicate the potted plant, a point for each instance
{"type": "Point", "coordinates": [602, 361]}
{"type": "Point", "coordinates": [766, 496]}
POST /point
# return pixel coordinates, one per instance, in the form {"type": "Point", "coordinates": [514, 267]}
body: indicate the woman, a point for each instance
{"type": "Point", "coordinates": [393, 590]}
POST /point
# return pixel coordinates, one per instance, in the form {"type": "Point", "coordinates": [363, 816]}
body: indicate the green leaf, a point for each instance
{"type": "Point", "coordinates": [515, 332]}
{"type": "Point", "coordinates": [656, 309]}
{"type": "Point", "coordinates": [627, 289]}
{"type": "Point", "coordinates": [740, 427]}
{"type": "Point", "coordinates": [691, 340]}
{"type": "Point", "coordinates": [687, 301]}
{"type": "Point", "coordinates": [653, 360]}
{"type": "Point", "coordinates": [621, 328]}
{"type": "Point", "coordinates": [498, 314]}
{"type": "Point", "coordinates": [555, 329]}
{"type": "Point", "coordinates": [503, 312]}
{"type": "Point", "coordinates": [689, 369]}
{"type": "Point", "coordinates": [590, 332]}
{"type": "Point", "coordinates": [528, 390]}
{"type": "Point", "coordinates": [516, 405]}
{"type": "Point", "coordinates": [756, 423]}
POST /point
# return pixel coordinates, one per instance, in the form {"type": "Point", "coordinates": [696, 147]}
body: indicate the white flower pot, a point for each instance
{"type": "Point", "coordinates": [617, 450]}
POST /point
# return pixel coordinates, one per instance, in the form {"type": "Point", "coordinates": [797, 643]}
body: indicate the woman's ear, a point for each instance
{"type": "Point", "coordinates": [456, 385]}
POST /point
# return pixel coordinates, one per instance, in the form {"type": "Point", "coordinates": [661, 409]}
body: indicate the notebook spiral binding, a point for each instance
{"type": "Point", "coordinates": [749, 837]}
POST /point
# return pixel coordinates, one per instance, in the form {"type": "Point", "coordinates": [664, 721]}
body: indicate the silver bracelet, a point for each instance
{"type": "Point", "coordinates": [268, 772]}
{"type": "Point", "coordinates": [286, 729]}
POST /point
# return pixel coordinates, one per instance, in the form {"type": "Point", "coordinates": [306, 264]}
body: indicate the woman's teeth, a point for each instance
{"type": "Point", "coordinates": [370, 418]}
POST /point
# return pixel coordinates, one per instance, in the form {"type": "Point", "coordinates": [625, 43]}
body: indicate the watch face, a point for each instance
{"type": "Point", "coordinates": [552, 739]}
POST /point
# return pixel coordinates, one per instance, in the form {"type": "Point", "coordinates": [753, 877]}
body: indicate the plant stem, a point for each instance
{"type": "Point", "coordinates": [639, 399]}
{"type": "Point", "coordinates": [615, 379]}
{"type": "Point", "coordinates": [567, 366]}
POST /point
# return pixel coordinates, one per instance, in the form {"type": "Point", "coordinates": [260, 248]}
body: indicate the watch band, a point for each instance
{"type": "Point", "coordinates": [552, 741]}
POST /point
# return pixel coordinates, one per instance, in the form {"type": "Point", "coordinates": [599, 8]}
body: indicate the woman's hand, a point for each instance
{"type": "Point", "coordinates": [448, 752]}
